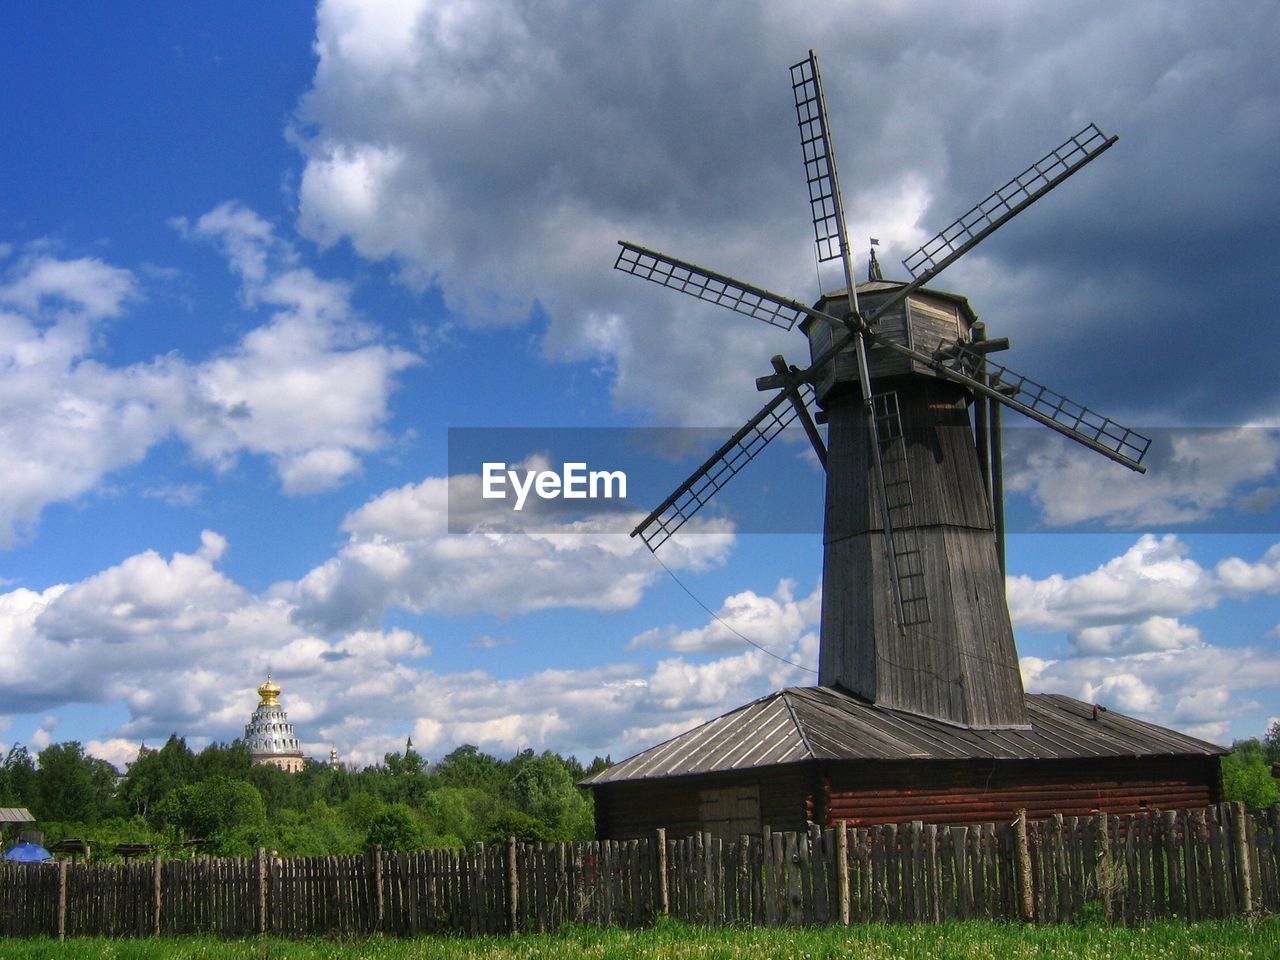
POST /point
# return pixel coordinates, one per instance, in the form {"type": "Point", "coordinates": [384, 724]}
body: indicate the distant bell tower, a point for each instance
{"type": "Point", "coordinates": [269, 734]}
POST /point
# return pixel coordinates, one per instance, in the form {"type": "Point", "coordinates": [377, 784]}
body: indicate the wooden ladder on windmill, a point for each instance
{"type": "Point", "coordinates": [907, 554]}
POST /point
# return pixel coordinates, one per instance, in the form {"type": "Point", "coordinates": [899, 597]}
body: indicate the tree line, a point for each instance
{"type": "Point", "coordinates": [1246, 771]}
{"type": "Point", "coordinates": [173, 795]}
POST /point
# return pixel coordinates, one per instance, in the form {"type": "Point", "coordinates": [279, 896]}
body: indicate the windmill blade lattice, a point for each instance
{"type": "Point", "coordinates": [983, 219]}
{"type": "Point", "coordinates": [688, 278]}
{"type": "Point", "coordinates": [1035, 400]}
{"type": "Point", "coordinates": [819, 169]}
{"type": "Point", "coordinates": [718, 288]}
{"type": "Point", "coordinates": [721, 467]}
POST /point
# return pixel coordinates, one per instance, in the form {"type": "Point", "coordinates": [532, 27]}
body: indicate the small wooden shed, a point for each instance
{"type": "Point", "coordinates": [16, 816]}
{"type": "Point", "coordinates": [820, 754]}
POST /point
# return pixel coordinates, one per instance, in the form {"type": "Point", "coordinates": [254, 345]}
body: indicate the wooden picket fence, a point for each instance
{"type": "Point", "coordinates": [1213, 862]}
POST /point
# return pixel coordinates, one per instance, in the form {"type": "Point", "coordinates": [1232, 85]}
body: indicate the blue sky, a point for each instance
{"type": "Point", "coordinates": [255, 262]}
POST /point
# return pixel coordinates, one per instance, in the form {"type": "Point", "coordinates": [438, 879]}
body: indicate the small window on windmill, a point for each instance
{"type": "Point", "coordinates": [730, 812]}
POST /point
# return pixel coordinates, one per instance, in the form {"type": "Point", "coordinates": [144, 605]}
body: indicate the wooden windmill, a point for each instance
{"type": "Point", "coordinates": [919, 712]}
{"type": "Point", "coordinates": [914, 615]}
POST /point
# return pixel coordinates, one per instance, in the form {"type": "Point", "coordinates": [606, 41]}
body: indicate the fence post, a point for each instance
{"type": "Point", "coordinates": [513, 886]}
{"type": "Point", "coordinates": [1173, 860]}
{"type": "Point", "coordinates": [664, 895]}
{"type": "Point", "coordinates": [770, 883]}
{"type": "Point", "coordinates": [1022, 865]}
{"type": "Point", "coordinates": [842, 868]}
{"type": "Point", "coordinates": [62, 900]}
{"type": "Point", "coordinates": [375, 858]}
{"type": "Point", "coordinates": [157, 894]}
{"type": "Point", "coordinates": [1244, 876]}
{"type": "Point", "coordinates": [1102, 869]}
{"type": "Point", "coordinates": [478, 891]}
{"type": "Point", "coordinates": [260, 874]}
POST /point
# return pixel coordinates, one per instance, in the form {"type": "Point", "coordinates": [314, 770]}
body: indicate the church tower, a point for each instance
{"type": "Point", "coordinates": [269, 734]}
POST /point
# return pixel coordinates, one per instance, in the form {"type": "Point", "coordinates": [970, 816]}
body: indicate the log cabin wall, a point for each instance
{"type": "Point", "coordinates": [788, 798]}
{"type": "Point", "coordinates": [822, 755]}
{"type": "Point", "coordinates": [973, 791]}
{"type": "Point", "coordinates": [865, 793]}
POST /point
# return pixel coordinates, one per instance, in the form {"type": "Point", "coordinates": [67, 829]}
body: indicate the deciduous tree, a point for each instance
{"type": "Point", "coordinates": [214, 807]}
{"type": "Point", "coordinates": [71, 785]}
{"type": "Point", "coordinates": [396, 828]}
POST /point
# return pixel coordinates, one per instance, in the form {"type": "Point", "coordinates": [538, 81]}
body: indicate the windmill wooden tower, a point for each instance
{"type": "Point", "coordinates": [914, 625]}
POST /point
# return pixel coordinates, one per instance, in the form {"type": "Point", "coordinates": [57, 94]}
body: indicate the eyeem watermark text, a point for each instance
{"type": "Point", "coordinates": [574, 482]}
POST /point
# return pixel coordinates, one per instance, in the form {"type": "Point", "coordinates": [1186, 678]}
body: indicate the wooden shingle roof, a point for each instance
{"type": "Point", "coordinates": [797, 724]}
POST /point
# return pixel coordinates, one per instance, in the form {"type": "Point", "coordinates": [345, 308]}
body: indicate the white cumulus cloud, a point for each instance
{"type": "Point", "coordinates": [775, 623]}
{"type": "Point", "coordinates": [400, 553]}
{"type": "Point", "coordinates": [1153, 578]}
{"type": "Point", "coordinates": [309, 389]}
{"type": "Point", "coordinates": [1128, 648]}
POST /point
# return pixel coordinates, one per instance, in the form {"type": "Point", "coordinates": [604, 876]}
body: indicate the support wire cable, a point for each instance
{"type": "Point", "coordinates": [720, 620]}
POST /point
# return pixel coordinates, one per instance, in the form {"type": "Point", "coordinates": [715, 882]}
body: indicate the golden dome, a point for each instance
{"type": "Point", "coordinates": [270, 693]}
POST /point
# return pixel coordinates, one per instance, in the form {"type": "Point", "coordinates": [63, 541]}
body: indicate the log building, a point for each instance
{"type": "Point", "coordinates": [818, 754]}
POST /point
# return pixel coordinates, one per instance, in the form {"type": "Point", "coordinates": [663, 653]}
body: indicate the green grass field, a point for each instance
{"type": "Point", "coordinates": [1243, 939]}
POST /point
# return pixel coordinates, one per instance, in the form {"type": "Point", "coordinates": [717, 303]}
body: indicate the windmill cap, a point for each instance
{"type": "Point", "coordinates": [873, 287]}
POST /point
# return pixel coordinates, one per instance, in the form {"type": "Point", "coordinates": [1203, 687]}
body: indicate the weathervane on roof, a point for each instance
{"type": "Point", "coordinates": [873, 265]}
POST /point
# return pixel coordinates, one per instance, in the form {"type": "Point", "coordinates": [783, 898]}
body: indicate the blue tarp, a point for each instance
{"type": "Point", "coordinates": [28, 853]}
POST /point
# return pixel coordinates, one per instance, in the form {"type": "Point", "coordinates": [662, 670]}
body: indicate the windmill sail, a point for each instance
{"type": "Point", "coordinates": [819, 168]}
{"type": "Point", "coordinates": [984, 218]}
{"type": "Point", "coordinates": [934, 256]}
{"type": "Point", "coordinates": [1016, 391]}
{"type": "Point", "coordinates": [1003, 385]}
{"type": "Point", "coordinates": [721, 467]}
{"type": "Point", "coordinates": [718, 288]}
{"type": "Point", "coordinates": [1040, 403]}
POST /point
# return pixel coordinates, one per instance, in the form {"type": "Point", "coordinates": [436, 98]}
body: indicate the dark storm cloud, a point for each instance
{"type": "Point", "coordinates": [498, 151]}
